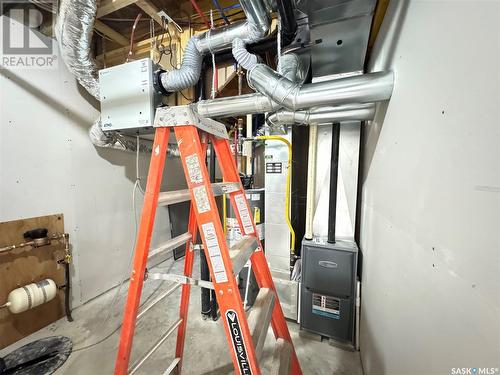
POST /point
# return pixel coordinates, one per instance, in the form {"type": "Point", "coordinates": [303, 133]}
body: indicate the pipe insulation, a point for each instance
{"type": "Point", "coordinates": [74, 28]}
{"type": "Point", "coordinates": [255, 28]}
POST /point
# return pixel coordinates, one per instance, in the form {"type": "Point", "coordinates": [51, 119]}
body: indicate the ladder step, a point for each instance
{"type": "Point", "coordinates": [259, 318]}
{"type": "Point", "coordinates": [242, 251]}
{"type": "Point", "coordinates": [177, 196]}
{"type": "Point", "coordinates": [150, 305]}
{"type": "Point", "coordinates": [181, 279]}
{"type": "Point", "coordinates": [172, 366]}
{"type": "Point", "coordinates": [281, 358]}
{"type": "Point", "coordinates": [170, 245]}
{"type": "Point", "coordinates": [154, 348]}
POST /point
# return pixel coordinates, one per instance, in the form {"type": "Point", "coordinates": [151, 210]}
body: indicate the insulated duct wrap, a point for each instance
{"type": "Point", "coordinates": [74, 28]}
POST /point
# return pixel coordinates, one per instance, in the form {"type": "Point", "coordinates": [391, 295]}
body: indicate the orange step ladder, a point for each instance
{"type": "Point", "coordinates": [245, 335]}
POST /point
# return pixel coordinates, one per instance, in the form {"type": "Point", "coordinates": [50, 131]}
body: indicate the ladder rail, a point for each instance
{"type": "Point", "coordinates": [258, 260]}
{"type": "Point", "coordinates": [215, 247]}
{"type": "Point", "coordinates": [188, 272]}
{"type": "Point", "coordinates": [204, 217]}
{"type": "Point", "coordinates": [143, 242]}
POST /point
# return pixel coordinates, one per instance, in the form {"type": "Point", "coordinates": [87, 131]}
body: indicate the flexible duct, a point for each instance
{"type": "Point", "coordinates": [324, 115]}
{"type": "Point", "coordinates": [252, 30]}
{"type": "Point", "coordinates": [292, 68]}
{"type": "Point", "coordinates": [74, 28]}
{"type": "Point", "coordinates": [246, 59]}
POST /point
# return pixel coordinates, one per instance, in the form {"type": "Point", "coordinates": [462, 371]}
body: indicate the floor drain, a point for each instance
{"type": "Point", "coordinates": [40, 357]}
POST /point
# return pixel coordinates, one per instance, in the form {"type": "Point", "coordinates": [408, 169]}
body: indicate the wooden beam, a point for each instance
{"type": "Point", "coordinates": [152, 10]}
{"type": "Point", "coordinates": [109, 6]}
{"type": "Point", "coordinates": [109, 32]}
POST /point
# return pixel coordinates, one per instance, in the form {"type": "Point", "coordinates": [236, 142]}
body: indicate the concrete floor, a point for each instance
{"type": "Point", "coordinates": [206, 350]}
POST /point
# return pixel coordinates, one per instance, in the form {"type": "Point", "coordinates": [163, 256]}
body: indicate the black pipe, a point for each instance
{"type": "Point", "coordinates": [204, 271]}
{"type": "Point", "coordinates": [205, 293]}
{"type": "Point", "coordinates": [286, 11]}
{"type": "Point", "coordinates": [67, 292]}
{"type": "Point", "coordinates": [334, 171]}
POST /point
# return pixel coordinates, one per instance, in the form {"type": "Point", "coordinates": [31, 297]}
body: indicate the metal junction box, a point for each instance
{"type": "Point", "coordinates": [128, 97]}
{"type": "Point", "coordinates": [327, 299]}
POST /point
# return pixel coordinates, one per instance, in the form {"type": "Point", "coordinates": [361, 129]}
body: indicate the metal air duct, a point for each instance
{"type": "Point", "coordinates": [252, 30]}
{"type": "Point", "coordinates": [324, 115]}
{"type": "Point", "coordinates": [365, 88]}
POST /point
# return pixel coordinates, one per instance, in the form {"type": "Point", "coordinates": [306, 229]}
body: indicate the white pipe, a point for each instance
{"type": "Point", "coordinates": [358, 313]}
{"type": "Point", "coordinates": [311, 181]}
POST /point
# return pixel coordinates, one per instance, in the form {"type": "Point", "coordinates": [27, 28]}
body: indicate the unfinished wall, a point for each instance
{"type": "Point", "coordinates": [431, 194]}
{"type": "Point", "coordinates": [48, 165]}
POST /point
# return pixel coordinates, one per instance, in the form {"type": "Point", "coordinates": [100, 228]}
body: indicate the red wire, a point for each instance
{"type": "Point", "coordinates": [202, 15]}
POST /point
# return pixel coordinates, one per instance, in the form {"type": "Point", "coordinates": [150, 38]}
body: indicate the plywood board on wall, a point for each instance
{"type": "Point", "coordinates": [26, 265]}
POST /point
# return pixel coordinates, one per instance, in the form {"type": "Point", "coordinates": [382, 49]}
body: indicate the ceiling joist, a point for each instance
{"type": "Point", "coordinates": [110, 33]}
{"type": "Point", "coordinates": [109, 6]}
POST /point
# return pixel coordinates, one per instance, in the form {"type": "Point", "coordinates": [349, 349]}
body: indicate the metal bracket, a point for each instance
{"type": "Point", "coordinates": [182, 115]}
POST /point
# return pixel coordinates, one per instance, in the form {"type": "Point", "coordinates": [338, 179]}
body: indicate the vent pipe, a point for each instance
{"type": "Point", "coordinates": [255, 28]}
{"type": "Point", "coordinates": [365, 88]}
{"type": "Point", "coordinates": [324, 115]}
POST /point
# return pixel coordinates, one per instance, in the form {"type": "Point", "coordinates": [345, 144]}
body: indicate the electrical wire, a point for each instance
{"type": "Point", "coordinates": [202, 15]}
{"type": "Point", "coordinates": [221, 11]}
{"type": "Point", "coordinates": [112, 305]}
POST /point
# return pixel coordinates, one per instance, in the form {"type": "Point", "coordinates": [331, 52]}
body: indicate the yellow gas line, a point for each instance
{"type": "Point", "coordinates": [288, 183]}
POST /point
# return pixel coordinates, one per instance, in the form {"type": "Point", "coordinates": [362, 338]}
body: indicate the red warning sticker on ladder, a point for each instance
{"type": "Point", "coordinates": [245, 217]}
{"type": "Point", "coordinates": [208, 231]}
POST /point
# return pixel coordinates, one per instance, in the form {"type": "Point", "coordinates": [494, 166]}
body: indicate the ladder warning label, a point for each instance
{"type": "Point", "coordinates": [214, 252]}
{"type": "Point", "coordinates": [240, 352]}
{"type": "Point", "coordinates": [194, 170]}
{"type": "Point", "coordinates": [245, 217]}
{"type": "Point", "coordinates": [201, 198]}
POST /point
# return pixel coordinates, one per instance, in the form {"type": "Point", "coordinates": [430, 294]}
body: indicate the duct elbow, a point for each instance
{"type": "Point", "coordinates": [246, 59]}
{"type": "Point", "coordinates": [273, 85]}
{"type": "Point", "coordinates": [189, 72]}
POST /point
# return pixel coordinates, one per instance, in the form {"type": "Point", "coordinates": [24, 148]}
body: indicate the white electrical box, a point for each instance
{"type": "Point", "coordinates": [128, 97]}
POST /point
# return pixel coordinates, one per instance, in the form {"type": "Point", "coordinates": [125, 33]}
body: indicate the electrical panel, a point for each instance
{"type": "Point", "coordinates": [128, 97]}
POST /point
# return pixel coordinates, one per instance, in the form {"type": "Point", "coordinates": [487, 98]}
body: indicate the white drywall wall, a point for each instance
{"type": "Point", "coordinates": [430, 224]}
{"type": "Point", "coordinates": [48, 165]}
